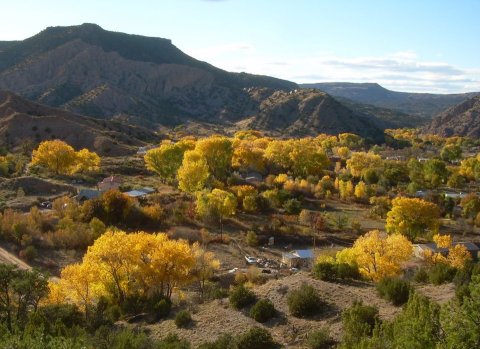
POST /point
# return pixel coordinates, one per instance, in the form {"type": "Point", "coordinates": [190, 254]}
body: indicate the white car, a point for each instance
{"type": "Point", "coordinates": [251, 260]}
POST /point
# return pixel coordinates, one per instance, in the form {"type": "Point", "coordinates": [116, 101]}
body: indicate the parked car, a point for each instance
{"type": "Point", "coordinates": [251, 260]}
{"type": "Point", "coordinates": [46, 205]}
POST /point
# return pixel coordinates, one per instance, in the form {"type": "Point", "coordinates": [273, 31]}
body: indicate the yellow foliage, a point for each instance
{"type": "Point", "coordinates": [217, 152]}
{"type": "Point", "coordinates": [412, 217]}
{"type": "Point", "coordinates": [443, 241]}
{"type": "Point", "coordinates": [377, 256]}
{"type": "Point", "coordinates": [457, 254]}
{"type": "Point", "coordinates": [86, 161]}
{"type": "Point", "coordinates": [281, 178]}
{"type": "Point", "coordinates": [361, 161]}
{"type": "Point", "coordinates": [55, 155]}
{"type": "Point", "coordinates": [193, 174]}
{"type": "Point", "coordinates": [135, 263]}
{"type": "Point", "coordinates": [361, 191]}
{"type": "Point", "coordinates": [61, 158]}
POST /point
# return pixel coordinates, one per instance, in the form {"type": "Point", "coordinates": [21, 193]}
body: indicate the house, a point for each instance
{"type": "Point", "coordinates": [140, 193]}
{"type": "Point", "coordinates": [143, 150]}
{"type": "Point", "coordinates": [298, 258]}
{"type": "Point", "coordinates": [454, 195]}
{"type": "Point", "coordinates": [253, 178]}
{"type": "Point", "coordinates": [88, 194]}
{"type": "Point", "coordinates": [112, 182]}
{"type": "Point", "coordinates": [396, 158]}
{"type": "Point", "coordinates": [420, 249]}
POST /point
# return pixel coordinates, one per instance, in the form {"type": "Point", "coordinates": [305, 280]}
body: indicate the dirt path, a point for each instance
{"type": "Point", "coordinates": [8, 258]}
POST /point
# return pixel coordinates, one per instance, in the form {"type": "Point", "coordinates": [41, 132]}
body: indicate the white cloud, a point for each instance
{"type": "Point", "coordinates": [402, 71]}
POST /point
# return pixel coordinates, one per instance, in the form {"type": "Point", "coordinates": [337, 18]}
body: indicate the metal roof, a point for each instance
{"type": "Point", "coordinates": [304, 254]}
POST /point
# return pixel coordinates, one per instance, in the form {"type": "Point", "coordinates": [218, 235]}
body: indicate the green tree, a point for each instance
{"type": "Point", "coordinates": [461, 320]}
{"type": "Point", "coordinates": [219, 203]}
{"type": "Point", "coordinates": [435, 173]}
{"type": "Point", "coordinates": [165, 160]}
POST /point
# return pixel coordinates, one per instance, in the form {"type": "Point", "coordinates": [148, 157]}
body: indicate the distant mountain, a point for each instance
{"type": "Point", "coordinates": [23, 121]}
{"type": "Point", "coordinates": [460, 120]}
{"type": "Point", "coordinates": [392, 118]}
{"type": "Point", "coordinates": [425, 105]}
{"type": "Point", "coordinates": [148, 81]}
{"type": "Point", "coordinates": [95, 72]}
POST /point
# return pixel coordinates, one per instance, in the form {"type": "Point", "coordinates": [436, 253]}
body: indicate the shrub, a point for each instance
{"type": "Point", "coordinates": [170, 342]}
{"type": "Point", "coordinates": [358, 321]}
{"type": "Point", "coordinates": [263, 310]}
{"type": "Point", "coordinates": [304, 301]}
{"type": "Point", "coordinates": [251, 239]}
{"type": "Point", "coordinates": [183, 318]}
{"type": "Point", "coordinates": [421, 276]}
{"type": "Point", "coordinates": [328, 271]}
{"type": "Point", "coordinates": [292, 206]}
{"type": "Point", "coordinates": [319, 339]}
{"type": "Point", "coordinates": [213, 290]}
{"type": "Point", "coordinates": [325, 271]}
{"type": "Point", "coordinates": [240, 297]}
{"type": "Point", "coordinates": [441, 273]}
{"type": "Point", "coordinates": [29, 253]}
{"type": "Point", "coordinates": [256, 338]}
{"type": "Point", "coordinates": [162, 308]}
{"type": "Point", "coordinates": [347, 271]}
{"type": "Point", "coordinates": [394, 290]}
{"type": "Point", "coordinates": [225, 341]}
{"type": "Point", "coordinates": [47, 316]}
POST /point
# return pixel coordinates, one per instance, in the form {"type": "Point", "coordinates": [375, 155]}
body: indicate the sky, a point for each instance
{"type": "Point", "coordinates": [404, 45]}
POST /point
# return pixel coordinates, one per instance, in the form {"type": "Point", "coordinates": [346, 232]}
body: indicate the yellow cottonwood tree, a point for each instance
{"type": "Point", "coordinates": [377, 256]}
{"type": "Point", "coordinates": [218, 203]}
{"type": "Point", "coordinates": [80, 283]}
{"type": "Point", "coordinates": [205, 265]}
{"type": "Point", "coordinates": [113, 256]}
{"type": "Point", "coordinates": [61, 158]}
{"type": "Point", "coordinates": [55, 155]}
{"type": "Point", "coordinates": [359, 162]}
{"type": "Point", "coordinates": [217, 152]}
{"type": "Point", "coordinates": [87, 161]}
{"type": "Point", "coordinates": [193, 174]}
{"type": "Point", "coordinates": [457, 255]}
{"type": "Point", "coordinates": [246, 156]}
{"type": "Point", "coordinates": [412, 217]}
{"type": "Point", "coordinates": [165, 160]}
{"type": "Point", "coordinates": [361, 191]}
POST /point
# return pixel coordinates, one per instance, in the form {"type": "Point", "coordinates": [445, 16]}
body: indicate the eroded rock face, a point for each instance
{"type": "Point", "coordinates": [309, 112]}
{"type": "Point", "coordinates": [460, 120]}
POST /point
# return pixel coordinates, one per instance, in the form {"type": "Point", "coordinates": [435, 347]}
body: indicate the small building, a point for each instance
{"type": "Point", "coordinates": [143, 150]}
{"type": "Point", "coordinates": [140, 193]}
{"type": "Point", "coordinates": [298, 258]}
{"type": "Point", "coordinates": [253, 178]}
{"type": "Point", "coordinates": [88, 194]}
{"type": "Point", "coordinates": [454, 196]}
{"type": "Point", "coordinates": [112, 182]}
{"type": "Point", "coordinates": [420, 249]}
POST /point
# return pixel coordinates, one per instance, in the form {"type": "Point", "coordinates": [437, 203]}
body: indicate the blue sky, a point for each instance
{"type": "Point", "coordinates": [405, 45]}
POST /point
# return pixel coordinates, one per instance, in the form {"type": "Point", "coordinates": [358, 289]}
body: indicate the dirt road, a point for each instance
{"type": "Point", "coordinates": [8, 258]}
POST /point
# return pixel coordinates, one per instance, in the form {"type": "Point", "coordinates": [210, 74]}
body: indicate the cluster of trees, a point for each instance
{"type": "Point", "coordinates": [72, 225]}
{"type": "Point", "coordinates": [127, 268]}
{"type": "Point", "coordinates": [60, 158]}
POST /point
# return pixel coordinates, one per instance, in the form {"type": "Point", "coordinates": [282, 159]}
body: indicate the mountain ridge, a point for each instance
{"type": "Point", "coordinates": [91, 71]}
{"type": "Point", "coordinates": [425, 105]}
